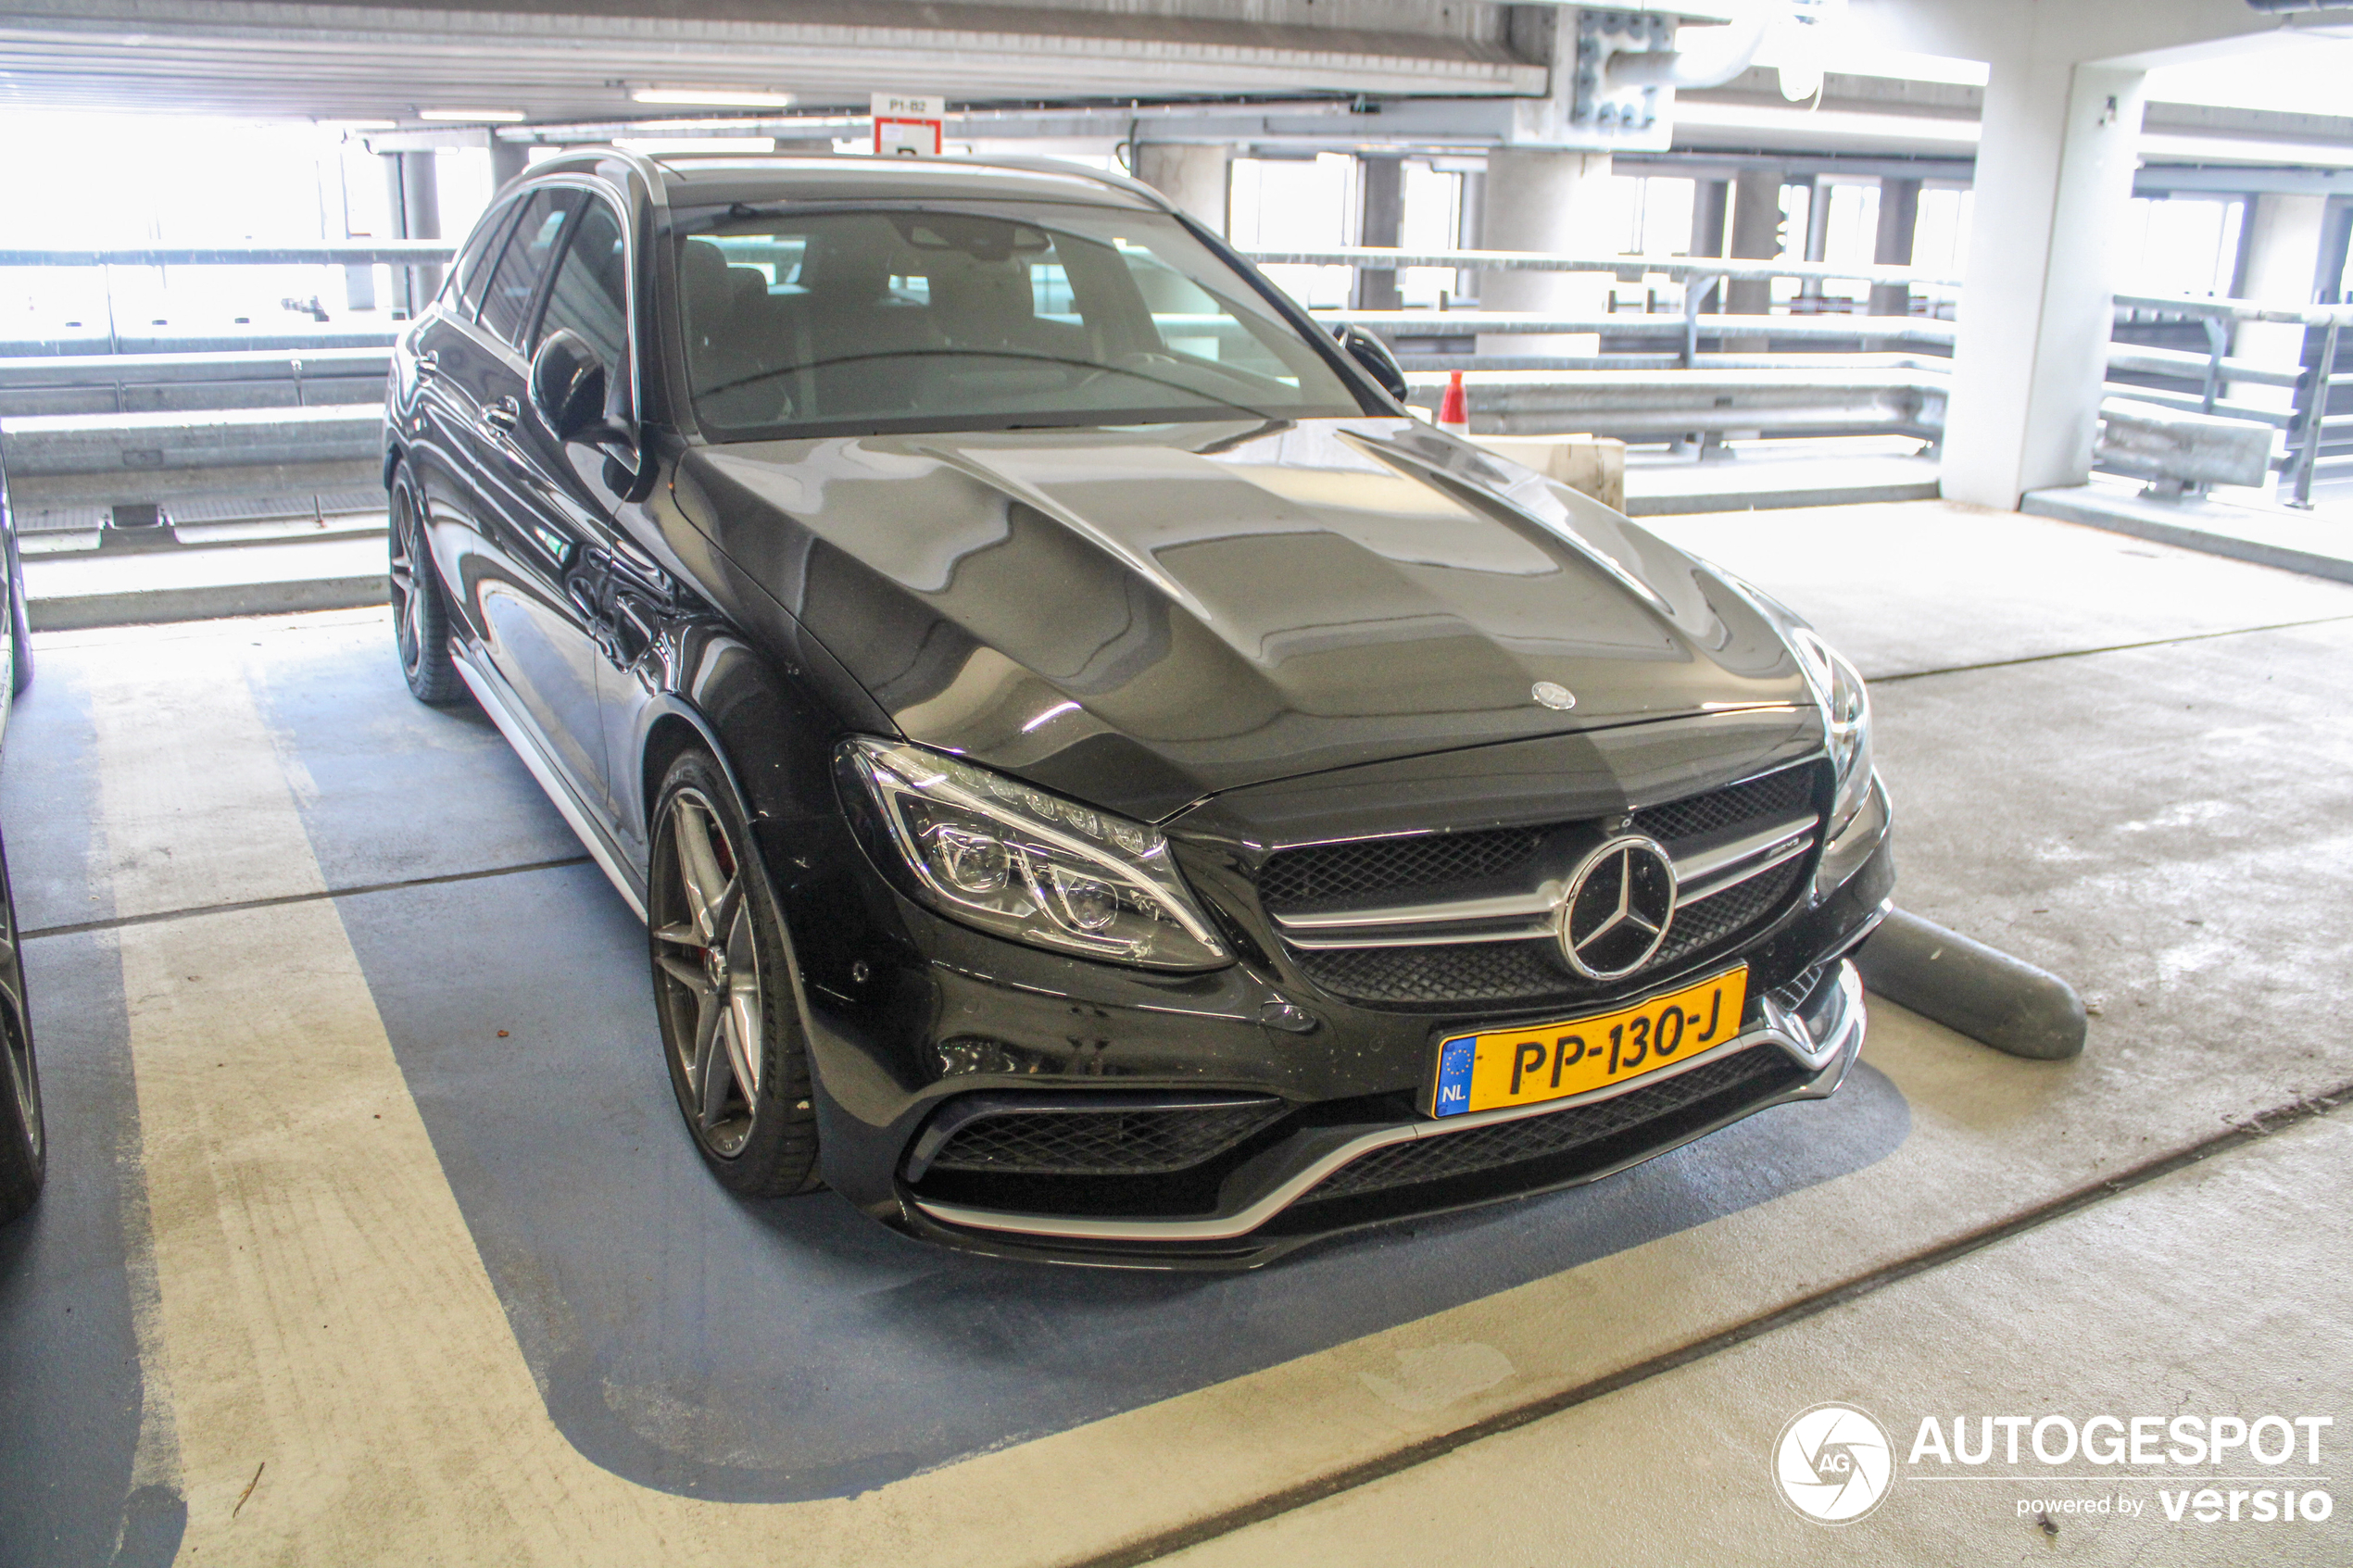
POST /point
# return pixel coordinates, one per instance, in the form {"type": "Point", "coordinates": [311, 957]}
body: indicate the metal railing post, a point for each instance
{"type": "Point", "coordinates": [1692, 294]}
{"type": "Point", "coordinates": [2316, 413]}
{"type": "Point", "coordinates": [2217, 338]}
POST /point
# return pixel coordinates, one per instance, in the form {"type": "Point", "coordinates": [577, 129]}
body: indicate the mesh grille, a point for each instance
{"type": "Point", "coordinates": [1756, 1071]}
{"type": "Point", "coordinates": [1711, 920]}
{"type": "Point", "coordinates": [1501, 972]}
{"type": "Point", "coordinates": [1525, 970]}
{"type": "Point", "coordinates": [1328, 873]}
{"type": "Point", "coordinates": [1082, 1143]}
{"type": "Point", "coordinates": [1465, 971]}
{"type": "Point", "coordinates": [1770, 798]}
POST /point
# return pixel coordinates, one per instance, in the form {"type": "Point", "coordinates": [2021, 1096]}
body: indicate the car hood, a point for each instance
{"type": "Point", "coordinates": [1142, 618]}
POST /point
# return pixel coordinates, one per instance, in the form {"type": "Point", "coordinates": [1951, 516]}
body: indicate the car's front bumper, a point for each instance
{"type": "Point", "coordinates": [915, 1021]}
{"type": "Point", "coordinates": [1807, 1038]}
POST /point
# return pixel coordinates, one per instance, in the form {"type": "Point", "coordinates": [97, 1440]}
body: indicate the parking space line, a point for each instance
{"type": "Point", "coordinates": [2110, 647]}
{"type": "Point", "coordinates": [2255, 1128]}
{"type": "Point", "coordinates": [34, 935]}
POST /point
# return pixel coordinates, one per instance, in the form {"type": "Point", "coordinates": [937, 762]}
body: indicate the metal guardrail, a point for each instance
{"type": "Point", "coordinates": [40, 446]}
{"type": "Point", "coordinates": [118, 384]}
{"type": "Point", "coordinates": [341, 253]}
{"type": "Point", "coordinates": [1681, 267]}
{"type": "Point", "coordinates": [1678, 403]}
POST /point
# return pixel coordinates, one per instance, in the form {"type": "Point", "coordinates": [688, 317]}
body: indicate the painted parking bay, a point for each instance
{"type": "Point", "coordinates": [459, 1452]}
{"type": "Point", "coordinates": [681, 1339]}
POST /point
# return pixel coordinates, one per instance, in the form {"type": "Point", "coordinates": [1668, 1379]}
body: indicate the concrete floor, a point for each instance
{"type": "Point", "coordinates": [371, 1236]}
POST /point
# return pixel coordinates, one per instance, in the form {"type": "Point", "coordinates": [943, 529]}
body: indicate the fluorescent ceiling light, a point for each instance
{"type": "Point", "coordinates": [659, 145]}
{"type": "Point", "coordinates": [709, 125]}
{"type": "Point", "coordinates": [1904, 64]}
{"type": "Point", "coordinates": [745, 97]}
{"type": "Point", "coordinates": [474, 116]}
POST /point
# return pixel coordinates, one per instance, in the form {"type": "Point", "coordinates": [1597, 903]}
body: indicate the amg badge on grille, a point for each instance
{"type": "Point", "coordinates": [1553, 694]}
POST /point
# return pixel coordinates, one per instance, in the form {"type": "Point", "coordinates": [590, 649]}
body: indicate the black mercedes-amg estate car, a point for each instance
{"type": "Point", "coordinates": [1102, 782]}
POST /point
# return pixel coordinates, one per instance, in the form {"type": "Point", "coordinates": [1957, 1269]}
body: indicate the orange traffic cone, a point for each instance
{"type": "Point", "coordinates": [1454, 410]}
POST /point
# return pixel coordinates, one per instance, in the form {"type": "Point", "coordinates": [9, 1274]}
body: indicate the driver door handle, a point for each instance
{"type": "Point", "coordinates": [502, 415]}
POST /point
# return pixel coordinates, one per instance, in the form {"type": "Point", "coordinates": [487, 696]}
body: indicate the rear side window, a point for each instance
{"type": "Point", "coordinates": [505, 305]}
{"type": "Point", "coordinates": [471, 271]}
{"type": "Point", "coordinates": [590, 294]}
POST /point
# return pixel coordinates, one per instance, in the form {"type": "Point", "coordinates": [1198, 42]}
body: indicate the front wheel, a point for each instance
{"type": "Point", "coordinates": [420, 616]}
{"type": "Point", "coordinates": [723, 990]}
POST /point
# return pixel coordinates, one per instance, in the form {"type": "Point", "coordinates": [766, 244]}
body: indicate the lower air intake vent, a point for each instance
{"type": "Point", "coordinates": [1746, 1075]}
{"type": "Point", "coordinates": [1088, 1135]}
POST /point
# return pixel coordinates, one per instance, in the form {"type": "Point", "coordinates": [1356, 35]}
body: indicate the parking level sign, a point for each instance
{"type": "Point", "coordinates": [909, 127]}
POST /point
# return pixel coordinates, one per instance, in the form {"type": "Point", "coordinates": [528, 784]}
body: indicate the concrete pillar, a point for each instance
{"type": "Point", "coordinates": [1198, 179]}
{"type": "Point", "coordinates": [1817, 228]}
{"type": "Point", "coordinates": [1756, 236]}
{"type": "Point", "coordinates": [412, 188]}
{"type": "Point", "coordinates": [1711, 206]}
{"type": "Point", "coordinates": [1533, 201]}
{"type": "Point", "coordinates": [2054, 178]}
{"type": "Point", "coordinates": [2335, 251]}
{"type": "Point", "coordinates": [508, 159]}
{"type": "Point", "coordinates": [1899, 218]}
{"type": "Point", "coordinates": [1380, 219]}
{"type": "Point", "coordinates": [2285, 236]}
{"type": "Point", "coordinates": [1472, 209]}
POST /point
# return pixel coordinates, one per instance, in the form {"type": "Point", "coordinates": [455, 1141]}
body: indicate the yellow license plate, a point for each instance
{"type": "Point", "coordinates": [1503, 1067]}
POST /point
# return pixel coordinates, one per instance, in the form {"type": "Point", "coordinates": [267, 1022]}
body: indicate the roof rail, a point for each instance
{"type": "Point", "coordinates": [585, 159]}
{"type": "Point", "coordinates": [648, 164]}
{"type": "Point", "coordinates": [1126, 182]}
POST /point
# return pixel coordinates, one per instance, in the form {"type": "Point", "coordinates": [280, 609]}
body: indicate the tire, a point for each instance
{"type": "Point", "coordinates": [23, 1141]}
{"type": "Point", "coordinates": [419, 611]}
{"type": "Point", "coordinates": [709, 917]}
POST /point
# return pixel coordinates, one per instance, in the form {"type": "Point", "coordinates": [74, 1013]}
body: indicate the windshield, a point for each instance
{"type": "Point", "coordinates": [982, 318]}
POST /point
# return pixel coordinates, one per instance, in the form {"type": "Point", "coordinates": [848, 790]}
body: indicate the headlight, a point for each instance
{"type": "Point", "coordinates": [1848, 708]}
{"type": "Point", "coordinates": [1015, 861]}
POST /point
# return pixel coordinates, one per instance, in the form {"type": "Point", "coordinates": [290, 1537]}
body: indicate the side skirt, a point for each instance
{"type": "Point", "coordinates": [490, 691]}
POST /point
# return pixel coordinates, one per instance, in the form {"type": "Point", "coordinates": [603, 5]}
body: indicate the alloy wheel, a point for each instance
{"type": "Point", "coordinates": [709, 954]}
{"type": "Point", "coordinates": [408, 596]}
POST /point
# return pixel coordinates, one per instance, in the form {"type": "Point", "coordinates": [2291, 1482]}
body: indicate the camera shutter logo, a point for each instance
{"type": "Point", "coordinates": [1834, 1463]}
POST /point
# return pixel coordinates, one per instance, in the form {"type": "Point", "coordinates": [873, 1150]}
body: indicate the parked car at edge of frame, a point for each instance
{"type": "Point", "coordinates": [23, 1149]}
{"type": "Point", "coordinates": [1103, 782]}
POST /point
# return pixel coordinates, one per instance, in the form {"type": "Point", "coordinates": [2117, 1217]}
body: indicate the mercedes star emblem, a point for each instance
{"type": "Point", "coordinates": [1618, 908]}
{"type": "Point", "coordinates": [1552, 694]}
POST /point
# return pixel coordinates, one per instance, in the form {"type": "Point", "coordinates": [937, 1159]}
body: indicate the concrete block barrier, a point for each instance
{"type": "Point", "coordinates": [1973, 989]}
{"type": "Point", "coordinates": [90, 443]}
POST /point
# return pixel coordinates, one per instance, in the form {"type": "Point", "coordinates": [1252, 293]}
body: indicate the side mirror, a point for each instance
{"type": "Point", "coordinates": [1374, 355]}
{"type": "Point", "coordinates": [568, 386]}
{"type": "Point", "coordinates": [568, 389]}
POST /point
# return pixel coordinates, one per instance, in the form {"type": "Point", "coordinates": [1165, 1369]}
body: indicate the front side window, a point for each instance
{"type": "Point", "coordinates": [505, 305]}
{"type": "Point", "coordinates": [462, 290]}
{"type": "Point", "coordinates": [986, 318]}
{"type": "Point", "coordinates": [590, 294]}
